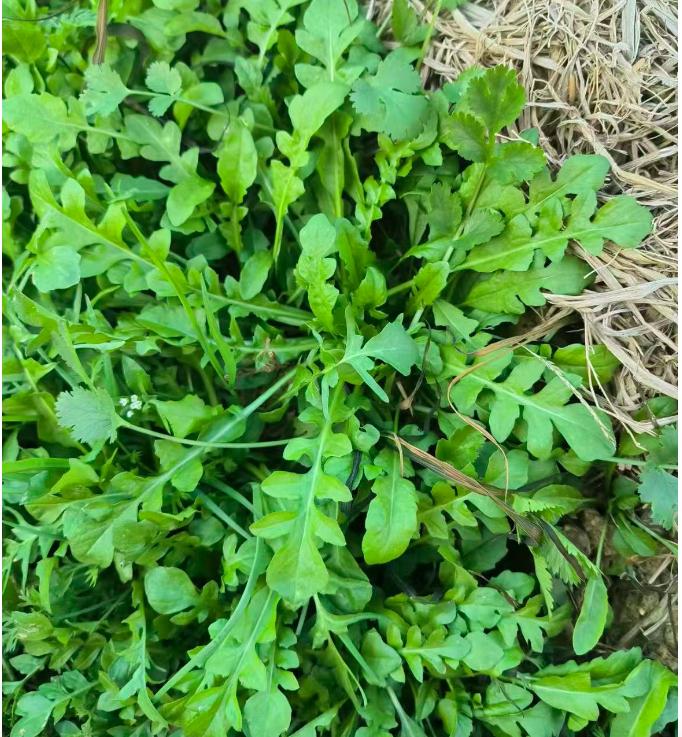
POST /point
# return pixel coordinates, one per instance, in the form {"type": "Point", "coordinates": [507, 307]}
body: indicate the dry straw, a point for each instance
{"type": "Point", "coordinates": [601, 77]}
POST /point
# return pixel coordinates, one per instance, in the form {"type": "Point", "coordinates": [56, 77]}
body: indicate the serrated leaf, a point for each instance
{"type": "Point", "coordinates": [467, 135]}
{"type": "Point", "coordinates": [387, 101]}
{"type": "Point", "coordinates": [88, 414]}
{"type": "Point", "coordinates": [163, 79]}
{"type": "Point", "coordinates": [104, 90]}
{"type": "Point", "coordinates": [495, 97]}
{"type": "Point", "coordinates": [515, 162]}
{"type": "Point", "coordinates": [659, 488]}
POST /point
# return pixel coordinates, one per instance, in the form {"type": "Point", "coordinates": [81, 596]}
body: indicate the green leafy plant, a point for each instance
{"type": "Point", "coordinates": [279, 456]}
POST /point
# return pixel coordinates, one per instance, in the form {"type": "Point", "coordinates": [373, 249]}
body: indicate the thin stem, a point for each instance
{"type": "Point", "coordinates": [232, 493]}
{"type": "Point", "coordinates": [602, 540]}
{"type": "Point", "coordinates": [222, 515]}
{"type": "Point", "coordinates": [191, 103]}
{"type": "Point", "coordinates": [202, 443]}
{"type": "Point", "coordinates": [666, 543]}
{"type": "Point", "coordinates": [302, 618]}
{"type": "Point", "coordinates": [416, 317]}
{"type": "Point", "coordinates": [639, 462]}
{"type": "Point", "coordinates": [429, 34]}
{"type": "Point", "coordinates": [162, 267]}
{"type": "Point", "coordinates": [400, 287]}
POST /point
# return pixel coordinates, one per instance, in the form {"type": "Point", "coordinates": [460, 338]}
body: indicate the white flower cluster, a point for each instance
{"type": "Point", "coordinates": [133, 403]}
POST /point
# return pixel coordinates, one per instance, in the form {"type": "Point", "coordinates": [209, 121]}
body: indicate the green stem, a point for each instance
{"type": "Point", "coordinates": [400, 287]}
{"type": "Point", "coordinates": [415, 318]}
{"type": "Point", "coordinates": [208, 385]}
{"type": "Point", "coordinates": [602, 540]}
{"type": "Point", "coordinates": [429, 34]}
{"type": "Point", "coordinates": [232, 493]}
{"type": "Point", "coordinates": [34, 464]}
{"type": "Point", "coordinates": [201, 443]}
{"type": "Point", "coordinates": [191, 103]}
{"type": "Point", "coordinates": [161, 265]}
{"type": "Point", "coordinates": [639, 462]}
{"type": "Point", "coordinates": [469, 210]}
{"type": "Point", "coordinates": [236, 228]}
{"type": "Point", "coordinates": [666, 543]}
{"type": "Point", "coordinates": [222, 515]}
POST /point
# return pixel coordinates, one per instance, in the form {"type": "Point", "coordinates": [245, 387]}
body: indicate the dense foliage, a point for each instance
{"type": "Point", "coordinates": [285, 448]}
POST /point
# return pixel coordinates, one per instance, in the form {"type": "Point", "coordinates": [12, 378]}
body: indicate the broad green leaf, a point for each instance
{"type": "Point", "coordinates": [515, 162]}
{"type": "Point", "coordinates": [297, 570]}
{"type": "Point", "coordinates": [52, 698]}
{"type": "Point", "coordinates": [406, 26]}
{"type": "Point", "coordinates": [575, 359]}
{"type": "Point", "coordinates": [162, 144]}
{"type": "Point", "coordinates": [621, 220]}
{"type": "Point", "coordinates": [308, 113]}
{"type": "Point", "coordinates": [56, 268]}
{"type": "Point", "coordinates": [169, 590]}
{"type": "Point", "coordinates": [328, 29]}
{"type": "Point", "coordinates": [254, 274]}
{"type": "Point", "coordinates": [286, 188]}
{"type": "Point", "coordinates": [427, 285]}
{"type": "Point", "coordinates": [579, 175]}
{"type": "Point", "coordinates": [42, 118]}
{"type": "Point", "coordinates": [24, 41]}
{"type": "Point", "coordinates": [186, 196]}
{"type": "Point", "coordinates": [315, 268]}
{"type": "Point", "coordinates": [438, 651]}
{"type": "Point", "coordinates": [592, 618]}
{"type": "Point", "coordinates": [484, 653]}
{"type": "Point", "coordinates": [393, 346]}
{"type": "Point", "coordinates": [392, 516]}
{"type": "Point", "coordinates": [184, 416]}
{"type": "Point", "coordinates": [237, 161]}
{"type": "Point", "coordinates": [448, 316]}
{"type": "Point", "coordinates": [268, 713]}
{"type": "Point", "coordinates": [644, 710]}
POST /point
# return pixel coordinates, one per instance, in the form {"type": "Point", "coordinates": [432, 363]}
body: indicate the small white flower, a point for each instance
{"type": "Point", "coordinates": [123, 401]}
{"type": "Point", "coordinates": [129, 413]}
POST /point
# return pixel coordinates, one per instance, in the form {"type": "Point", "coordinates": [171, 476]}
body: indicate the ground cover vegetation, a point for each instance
{"type": "Point", "coordinates": [287, 442]}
